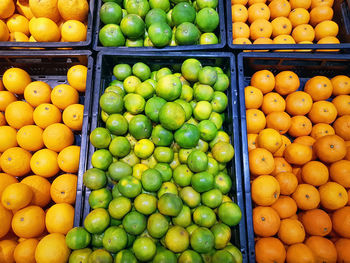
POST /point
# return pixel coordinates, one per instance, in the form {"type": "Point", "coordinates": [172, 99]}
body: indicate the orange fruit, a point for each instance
{"type": "Point", "coordinates": [7, 138]}
{"type": "Point", "coordinates": [291, 231]}
{"type": "Point", "coordinates": [339, 172]}
{"type": "Point", "coordinates": [281, 26]}
{"type": "Point", "coordinates": [45, 8]}
{"type": "Point", "coordinates": [239, 13]}
{"type": "Point", "coordinates": [64, 95]}
{"type": "Point", "coordinates": [261, 161]}
{"type": "Point", "coordinates": [46, 114]}
{"type": "Point", "coordinates": [269, 249]}
{"type": "Point", "coordinates": [288, 182]}
{"type": "Point", "coordinates": [40, 188]}
{"type": "Point", "coordinates": [242, 2]}
{"type": "Point", "coordinates": [241, 41]}
{"type": "Point", "coordinates": [281, 166]}
{"type": "Point", "coordinates": [15, 161]}
{"type": "Point", "coordinates": [6, 180]}
{"type": "Point", "coordinates": [285, 207]}
{"type": "Point", "coordinates": [252, 141]}
{"type": "Point", "coordinates": [64, 188]}
{"type": "Point", "coordinates": [341, 85]}
{"type": "Point", "coordinates": [287, 82]}
{"type": "Point", "coordinates": [328, 40]}
{"type": "Point", "coordinates": [266, 221]}
{"type": "Point", "coordinates": [258, 11]}
{"type": "Point", "coordinates": [340, 220]}
{"type": "Point", "coordinates": [73, 10]}
{"type": "Point", "coordinates": [44, 30]}
{"type": "Point", "coordinates": [279, 121]}
{"type": "Point", "coordinates": [323, 112]}
{"type": "Point", "coordinates": [330, 148]}
{"type": "Point", "coordinates": [260, 28]}
{"type": "Point", "coordinates": [333, 196]}
{"type": "Point", "coordinates": [283, 39]}
{"type": "Point", "coordinates": [279, 8]}
{"type": "Point", "coordinates": [37, 92]}
{"type": "Point", "coordinates": [256, 121]}
{"type": "Point", "coordinates": [299, 16]}
{"type": "Point", "coordinates": [4, 32]}
{"type": "Point", "coordinates": [319, 88]}
{"type": "Point", "coordinates": [25, 251]}
{"type": "Point", "coordinates": [285, 143]}
{"type": "Point", "coordinates": [342, 104]}
{"type": "Point", "coordinates": [273, 102]}
{"type": "Point", "coordinates": [76, 77]}
{"type": "Point", "coordinates": [265, 190]}
{"type": "Point", "coordinates": [7, 8]}
{"type": "Point", "coordinates": [57, 136]}
{"type": "Point", "coordinates": [297, 153]}
{"type": "Point", "coordinates": [6, 98]}
{"type": "Point", "coordinates": [68, 159]}
{"type": "Point", "coordinates": [18, 23]}
{"type": "Point", "coordinates": [19, 114]}
{"type": "Point", "coordinates": [52, 248]}
{"type": "Point", "coordinates": [321, 129]}
{"type": "Point", "coordinates": [299, 253]}
{"type": "Point", "coordinates": [342, 127]}
{"type": "Point", "coordinates": [322, 248]}
{"type": "Point", "coordinates": [316, 222]}
{"type": "Point", "coordinates": [59, 218]}
{"type": "Point", "coordinates": [263, 80]}
{"type": "Point", "coordinates": [18, 37]}
{"type": "Point", "coordinates": [16, 196]}
{"type": "Point", "coordinates": [300, 4]}
{"type": "Point", "coordinates": [326, 28]}
{"type": "Point", "coordinates": [73, 116]}
{"type": "Point", "coordinates": [300, 126]}
{"type": "Point", "coordinates": [29, 222]}
{"type": "Point", "coordinates": [251, 2]}
{"type": "Point", "coordinates": [253, 97]}
{"type": "Point", "coordinates": [315, 3]}
{"type": "Point", "coordinates": [315, 173]}
{"type": "Point", "coordinates": [15, 80]}
{"type": "Point", "coordinates": [298, 103]}
{"type": "Point", "coordinates": [6, 250]}
{"type": "Point", "coordinates": [320, 13]}
{"type": "Point", "coordinates": [30, 138]}
{"type": "Point", "coordinates": [240, 30]}
{"type": "Point", "coordinates": [262, 40]}
{"type": "Point", "coordinates": [44, 163]}
{"type": "Point", "coordinates": [342, 246]}
{"type": "Point", "coordinates": [306, 196]}
{"type": "Point", "coordinates": [303, 32]}
{"type": "Point", "coordinates": [73, 31]}
{"type": "Point", "coordinates": [6, 218]}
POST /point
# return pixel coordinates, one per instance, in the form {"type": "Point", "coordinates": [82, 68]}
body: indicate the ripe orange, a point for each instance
{"type": "Point", "coordinates": [315, 173]}
{"type": "Point", "coordinates": [316, 222]}
{"type": "Point", "coordinates": [342, 104]}
{"type": "Point", "coordinates": [18, 23]}
{"type": "Point", "coordinates": [281, 166]}
{"type": "Point", "coordinates": [303, 32]}
{"type": "Point", "coordinates": [285, 143]}
{"type": "Point", "coordinates": [7, 247]}
{"type": "Point", "coordinates": [30, 138]}
{"type": "Point", "coordinates": [44, 30]}
{"type": "Point", "coordinates": [46, 8]}
{"type": "Point", "coordinates": [16, 196]}
{"type": "Point", "coordinates": [342, 246]}
{"type": "Point", "coordinates": [57, 136]}
{"type": "Point", "coordinates": [4, 31]}
{"type": "Point", "coordinates": [326, 28]}
{"type": "Point", "coordinates": [291, 231]}
{"type": "Point", "coordinates": [6, 98]}
{"type": "Point", "coordinates": [52, 248]}
{"type": "Point", "coordinates": [288, 182]}
{"type": "Point", "coordinates": [6, 180]}
{"type": "Point", "coordinates": [19, 114]}
{"type": "Point", "coordinates": [256, 121]}
{"type": "Point", "coordinates": [306, 196]}
{"type": "Point", "coordinates": [262, 40]}
{"type": "Point", "coordinates": [68, 159]}
{"type": "Point", "coordinates": [315, 3]}
{"type": "Point", "coordinates": [252, 141]}
{"type": "Point", "coordinates": [279, 8]}
{"type": "Point", "coordinates": [263, 80]}
{"type": "Point", "coordinates": [300, 4]}
{"type": "Point", "coordinates": [46, 114]}
{"type": "Point", "coordinates": [273, 102]}
{"type": "Point", "coordinates": [266, 221]}
{"type": "Point", "coordinates": [320, 13]}
{"type": "Point", "coordinates": [286, 82]}
{"type": "Point", "coordinates": [239, 13]}
{"type": "Point", "coordinates": [44, 163]}
{"type": "Point", "coordinates": [64, 188]}
{"type": "Point", "coordinates": [298, 103]}
{"type": "Point", "coordinates": [330, 148]}
{"type": "Point", "coordinates": [73, 31]}
{"type": "Point", "coordinates": [339, 172]}
{"type": "Point", "coordinates": [73, 116]}
{"type": "Point", "coordinates": [340, 220]}
{"type": "Point", "coordinates": [341, 85]}
{"type": "Point", "coordinates": [321, 129]}
{"type": "Point", "coordinates": [37, 92]}
{"type": "Point", "coordinates": [285, 207]}
{"type": "Point", "coordinates": [15, 80]}
{"type": "Point", "coordinates": [322, 248]}
{"type": "Point", "coordinates": [342, 127]}
{"type": "Point", "coordinates": [25, 251]}
{"type": "Point", "coordinates": [253, 97]}
{"type": "Point", "coordinates": [7, 138]}
{"type": "Point", "coordinates": [279, 121]}
{"type": "Point", "coordinates": [328, 40]}
{"type": "Point", "coordinates": [270, 249]}
{"type": "Point", "coordinates": [299, 253]}
{"type": "Point", "coordinates": [73, 10]}
{"type": "Point", "coordinates": [333, 196]}
{"type": "Point", "coordinates": [283, 39]}
{"type": "Point", "coordinates": [29, 222]}
{"type": "Point", "coordinates": [319, 88]}
{"type": "Point", "coordinates": [281, 26]}
{"type": "Point", "coordinates": [260, 28]}
{"type": "Point", "coordinates": [76, 77]}
{"type": "Point", "coordinates": [265, 190]}
{"type": "Point", "coordinates": [6, 218]}
{"type": "Point", "coordinates": [59, 218]}
{"type": "Point", "coordinates": [64, 95]}
{"type": "Point", "coordinates": [18, 37]}
{"type": "Point", "coordinates": [299, 16]}
{"type": "Point", "coordinates": [240, 30]}
{"type": "Point", "coordinates": [258, 11]}
{"type": "Point", "coordinates": [241, 41]}
{"type": "Point", "coordinates": [40, 188]}
{"type": "Point", "coordinates": [300, 126]}
{"type": "Point", "coordinates": [261, 161]}
{"type": "Point", "coordinates": [323, 112]}
{"type": "Point", "coordinates": [15, 161]}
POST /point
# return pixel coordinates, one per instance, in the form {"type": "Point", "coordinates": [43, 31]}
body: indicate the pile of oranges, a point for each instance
{"type": "Point", "coordinates": [299, 158]}
{"type": "Point", "coordinates": [43, 20]}
{"type": "Point", "coordinates": [39, 164]}
{"type": "Point", "coordinates": [283, 22]}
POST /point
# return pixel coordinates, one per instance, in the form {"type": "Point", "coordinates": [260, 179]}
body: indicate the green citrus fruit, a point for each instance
{"type": "Point", "coordinates": [197, 161]}
{"type": "Point", "coordinates": [140, 127]}
{"type": "Point", "coordinates": [190, 256]}
{"type": "Point", "coordinates": [164, 255]}
{"type": "Point", "coordinates": [80, 255]}
{"type": "Point", "coordinates": [111, 36]}
{"type": "Point", "coordinates": [130, 83]}
{"type": "Point", "coordinates": [187, 136]}
{"type": "Point", "coordinates": [134, 42]}
{"type": "Point", "coordinates": [118, 170]}
{"type": "Point", "coordinates": [145, 89]}
{"type": "Point", "coordinates": [100, 198]}
{"type": "Point", "coordinates": [186, 107]}
{"type": "Point", "coordinates": [144, 148]}
{"type": "Point", "coordinates": [182, 175]}
{"type": "Point", "coordinates": [220, 137]}
{"type": "Point", "coordinates": [132, 26]}
{"type": "Point", "coordinates": [145, 204]}
{"type": "Point", "coordinates": [222, 83]}
{"type": "Point", "coordinates": [129, 186]}
{"type": "Point", "coordinates": [97, 221]}
{"type": "Point", "coordinates": [96, 240]}
{"type": "Point", "coordinates": [100, 137]}
{"type": "Point", "coordinates": [137, 7]}
{"type": "Point", "coordinates": [183, 12]}
{"type": "Point", "coordinates": [94, 178]}
{"type": "Point", "coordinates": [230, 213]}
{"type": "Point", "coordinates": [111, 13]}
{"type": "Point", "coordinates": [216, 119]}
{"type": "Point", "coordinates": [190, 69]}
{"type": "Point", "coordinates": [204, 216]}
{"type": "Point", "coordinates": [171, 116]}
{"type": "Point", "coordinates": [203, 92]}
{"type": "Point", "coordinates": [212, 198]}
{"type": "Point", "coordinates": [78, 238]}
{"type": "Point", "coordinates": [187, 34]}
{"type": "Point", "coordinates": [207, 3]}
{"type": "Point", "coordinates": [141, 70]}
{"type": "Point", "coordinates": [202, 240]}
{"type": "Point", "coordinates": [163, 154]}
{"type": "Point", "coordinates": [184, 218]}
{"type": "Point", "coordinates": [131, 159]}
{"type": "Point", "coordinates": [155, 15]}
{"type": "Point", "coordinates": [144, 249]}
{"type": "Point", "coordinates": [190, 196]}
{"type": "Point", "coordinates": [161, 4]}
{"type": "Point", "coordinates": [162, 73]}
{"type": "Point", "coordinates": [125, 256]}
{"type": "Point", "coordinates": [116, 83]}
{"type": "Point", "coordinates": [223, 256]}
{"type": "Point", "coordinates": [116, 89]}
{"type": "Point", "coordinates": [235, 252]}
{"type": "Point", "coordinates": [134, 103]}
{"type": "Point", "coordinates": [164, 170]}
{"type": "Point", "coordinates": [120, 147]}
{"type": "Point", "coordinates": [202, 182]}
{"type": "Point", "coordinates": [157, 225]}
{"type": "Point", "coordinates": [219, 101]}
{"type": "Point", "coordinates": [223, 182]}
{"type": "Point", "coordinates": [114, 239]}
{"type": "Point", "coordinates": [100, 255]}
{"type": "Point", "coordinates": [169, 87]}
{"type": "Point", "coordinates": [167, 187]}
{"type": "Point", "coordinates": [119, 207]}
{"type": "Point", "coordinates": [213, 166]}
{"type": "Point", "coordinates": [151, 180]}
{"type": "Point", "coordinates": [223, 152]}
{"type": "Point", "coordinates": [177, 239]}
{"type": "Point", "coordinates": [207, 19]}
{"type": "Point", "coordinates": [117, 124]}
{"type": "Point", "coordinates": [208, 76]}
{"type": "Point", "coordinates": [161, 136]}
{"type": "Point", "coordinates": [122, 71]}
{"type": "Point", "coordinates": [202, 110]}
{"type": "Point", "coordinates": [153, 106]}
{"type": "Point", "coordinates": [222, 234]}
{"type": "Point", "coordinates": [134, 223]}
{"type": "Point", "coordinates": [208, 39]}
{"type": "Point", "coordinates": [101, 159]}
{"type": "Point", "coordinates": [186, 93]}
{"type": "Point", "coordinates": [183, 155]}
{"type": "Point", "coordinates": [111, 102]}
{"type": "Point", "coordinates": [160, 34]}
{"type": "Point", "coordinates": [207, 130]}
{"type": "Point", "coordinates": [169, 204]}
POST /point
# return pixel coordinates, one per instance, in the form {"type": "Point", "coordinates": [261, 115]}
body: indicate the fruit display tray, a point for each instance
{"type": "Point", "coordinates": [341, 16]}
{"type": "Point", "coordinates": [104, 75]}
{"type": "Point", "coordinates": [51, 67]}
{"type": "Point", "coordinates": [220, 33]}
{"type": "Point", "coordinates": [55, 45]}
{"type": "Point", "coordinates": [305, 66]}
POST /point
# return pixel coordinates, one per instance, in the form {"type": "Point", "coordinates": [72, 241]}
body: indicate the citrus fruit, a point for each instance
{"type": "Point", "coordinates": [202, 240]}
{"type": "Point", "coordinates": [80, 255]}
{"type": "Point", "coordinates": [94, 178]}
{"type": "Point", "coordinates": [169, 204]}
{"type": "Point", "coordinates": [144, 248]}
{"type": "Point", "coordinates": [111, 36]}
{"type": "Point", "coordinates": [120, 147]}
{"type": "Point", "coordinates": [134, 223]}
{"type": "Point", "coordinates": [145, 204]}
{"type": "Point", "coordinates": [207, 19]}
{"type": "Point", "coordinates": [187, 136]}
{"type": "Point", "coordinates": [160, 34]}
{"type": "Point", "coordinates": [187, 34]}
{"type": "Point", "coordinates": [101, 159]}
{"type": "Point", "coordinates": [197, 161]}
{"type": "Point", "coordinates": [129, 186]}
{"type": "Point", "coordinates": [100, 198]}
{"type": "Point", "coordinates": [122, 71]}
{"type": "Point", "coordinates": [140, 127]}
{"type": "Point", "coordinates": [78, 238]}
{"type": "Point", "coordinates": [190, 197]}
{"type": "Point", "coordinates": [111, 13]}
{"type": "Point", "coordinates": [151, 180]}
{"type": "Point", "coordinates": [132, 25]}
{"type": "Point", "coordinates": [153, 106]}
{"type": "Point", "coordinates": [229, 213]}
{"type": "Point", "coordinates": [171, 116]}
{"type": "Point", "coordinates": [190, 69]}
{"type": "Point", "coordinates": [52, 248]}
{"type": "Point", "coordinates": [97, 221]}
{"type": "Point", "coordinates": [204, 216]}
{"type": "Point", "coordinates": [183, 218]}
{"type": "Point", "coordinates": [114, 239]}
{"type": "Point", "coordinates": [100, 255]}
{"type": "Point", "coordinates": [183, 12]}
{"type": "Point", "coordinates": [125, 255]}
{"type": "Point", "coordinates": [189, 256]}
{"type": "Point", "coordinates": [212, 198]}
{"type": "Point", "coordinates": [223, 182]}
{"type": "Point", "coordinates": [177, 239]}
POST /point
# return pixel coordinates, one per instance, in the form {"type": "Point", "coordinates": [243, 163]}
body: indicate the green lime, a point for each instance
{"type": "Point", "coordinates": [187, 34]}
{"type": "Point", "coordinates": [130, 83]}
{"type": "Point", "coordinates": [183, 12]}
{"type": "Point", "coordinates": [144, 148]}
{"type": "Point", "coordinates": [160, 34]}
{"type": "Point", "coordinates": [125, 256]}
{"type": "Point", "coordinates": [183, 155]}
{"type": "Point", "coordinates": [111, 102]}
{"type": "Point", "coordinates": [116, 83]}
{"type": "Point", "coordinates": [132, 25]}
{"type": "Point", "coordinates": [97, 221]}
{"type": "Point", "coordinates": [222, 234]}
{"type": "Point", "coordinates": [129, 186]}
{"type": "Point", "coordinates": [216, 119]}
{"type": "Point", "coordinates": [151, 180]}
{"type": "Point", "coordinates": [161, 4]}
{"type": "Point", "coordinates": [131, 159]}
{"type": "Point", "coordinates": [204, 216]}
{"type": "Point", "coordinates": [190, 256]}
{"type": "Point", "coordinates": [157, 225]}
{"type": "Point", "coordinates": [182, 175]}
{"type": "Point", "coordinates": [202, 182]}
{"type": "Point", "coordinates": [186, 107]}
{"type": "Point", "coordinates": [134, 42]}
{"type": "Point", "coordinates": [120, 147]}
{"type": "Point", "coordinates": [235, 252]}
{"type": "Point", "coordinates": [137, 7]}
{"type": "Point", "coordinates": [203, 92]}
{"type": "Point", "coordinates": [134, 103]}
{"type": "Point", "coordinates": [169, 204]}
{"type": "Point", "coordinates": [223, 152]}
{"type": "Point", "coordinates": [153, 106]}
{"type": "Point", "coordinates": [117, 124]}
{"type": "Point", "coordinates": [172, 116]}
{"type": "Point", "coordinates": [144, 248]}
{"type": "Point", "coordinates": [212, 198]}
{"type": "Point", "coordinates": [100, 198]}
{"type": "Point", "coordinates": [101, 159]}
{"type": "Point", "coordinates": [163, 154]}
{"type": "Point", "coordinates": [219, 101]}
{"type": "Point", "coordinates": [161, 136]}
{"type": "Point", "coordinates": [155, 15]}
{"type": "Point", "coordinates": [184, 218]}
{"type": "Point", "coordinates": [190, 69]}
{"type": "Point", "coordinates": [207, 20]}
{"type": "Point", "coordinates": [100, 255]}
{"type": "Point", "coordinates": [140, 127]}
{"type": "Point", "coordinates": [141, 70]}
{"type": "Point", "coordinates": [100, 137]}
{"type": "Point", "coordinates": [186, 93]}
{"type": "Point", "coordinates": [111, 36]}
{"type": "Point", "coordinates": [222, 83]}
{"type": "Point", "coordinates": [96, 240]}
{"type": "Point", "coordinates": [111, 13]}
{"type": "Point", "coordinates": [208, 39]}
{"type": "Point", "coordinates": [94, 179]}
{"type": "Point", "coordinates": [119, 207]}
{"type": "Point", "coordinates": [197, 161]}
{"type": "Point", "coordinates": [134, 223]}
{"type": "Point", "coordinates": [145, 89]}
{"type": "Point", "coordinates": [223, 256]}
{"type": "Point", "coordinates": [162, 73]}
{"type": "Point", "coordinates": [163, 255]}
{"type": "Point", "coordinates": [78, 238]}
{"type": "Point", "coordinates": [177, 239]}
{"type": "Point", "coordinates": [208, 76]}
{"type": "Point", "coordinates": [190, 196]}
{"type": "Point", "coordinates": [116, 89]}
{"type": "Point", "coordinates": [118, 170]}
{"type": "Point", "coordinates": [169, 87]}
{"type": "Point", "coordinates": [220, 137]}
{"type": "Point", "coordinates": [80, 255]}
{"type": "Point", "coordinates": [207, 3]}
{"type": "Point", "coordinates": [202, 240]}
{"type": "Point", "coordinates": [145, 204]}
{"type": "Point", "coordinates": [230, 213]}
{"type": "Point", "coordinates": [114, 239]}
{"type": "Point", "coordinates": [223, 182]}
{"type": "Point", "coordinates": [202, 110]}
{"type": "Point", "coordinates": [167, 187]}
{"type": "Point", "coordinates": [207, 130]}
{"type": "Point", "coordinates": [164, 170]}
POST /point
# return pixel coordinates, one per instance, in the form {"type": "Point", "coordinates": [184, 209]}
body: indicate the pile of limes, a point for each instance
{"type": "Point", "coordinates": [159, 180]}
{"type": "Point", "coordinates": [159, 23]}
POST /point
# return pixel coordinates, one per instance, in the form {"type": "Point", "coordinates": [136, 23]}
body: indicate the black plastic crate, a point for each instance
{"type": "Point", "coordinates": [341, 16]}
{"type": "Point", "coordinates": [51, 67]}
{"type": "Point", "coordinates": [55, 45]}
{"type": "Point", "coordinates": [305, 66]}
{"type": "Point", "coordinates": [220, 33]}
{"type": "Point", "coordinates": [104, 75]}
